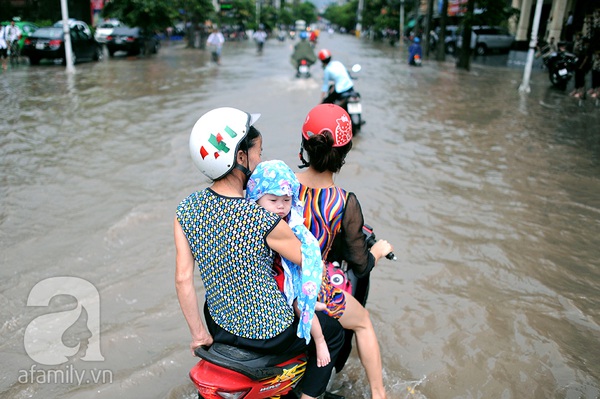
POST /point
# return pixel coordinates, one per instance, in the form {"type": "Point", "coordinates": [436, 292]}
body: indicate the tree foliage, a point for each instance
{"type": "Point", "coordinates": [343, 16]}
{"type": "Point", "coordinates": [306, 11]}
{"type": "Point", "coordinates": [152, 15]}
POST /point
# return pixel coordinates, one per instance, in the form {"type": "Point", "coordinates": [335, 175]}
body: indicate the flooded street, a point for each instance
{"type": "Point", "coordinates": [490, 198]}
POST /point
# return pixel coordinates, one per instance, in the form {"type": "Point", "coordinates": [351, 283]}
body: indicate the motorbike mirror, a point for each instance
{"type": "Point", "coordinates": [356, 68]}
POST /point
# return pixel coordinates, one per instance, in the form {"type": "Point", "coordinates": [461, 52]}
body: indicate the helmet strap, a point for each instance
{"type": "Point", "coordinates": [244, 169]}
{"type": "Point", "coordinates": [247, 172]}
{"type": "Point", "coordinates": [301, 156]}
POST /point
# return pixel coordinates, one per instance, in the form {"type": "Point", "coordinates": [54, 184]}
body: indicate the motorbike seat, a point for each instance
{"type": "Point", "coordinates": [251, 364]}
{"type": "Point", "coordinates": [348, 94]}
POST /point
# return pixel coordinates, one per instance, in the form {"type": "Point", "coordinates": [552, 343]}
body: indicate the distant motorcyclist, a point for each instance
{"type": "Point", "coordinates": [336, 72]}
{"type": "Point", "coordinates": [303, 51]}
{"type": "Point", "coordinates": [415, 52]}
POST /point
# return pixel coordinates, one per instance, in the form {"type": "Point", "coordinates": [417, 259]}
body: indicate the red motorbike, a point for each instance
{"type": "Point", "coordinates": [228, 372]}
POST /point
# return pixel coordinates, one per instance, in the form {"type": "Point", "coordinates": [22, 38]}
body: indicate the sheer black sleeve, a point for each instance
{"type": "Point", "coordinates": [350, 244]}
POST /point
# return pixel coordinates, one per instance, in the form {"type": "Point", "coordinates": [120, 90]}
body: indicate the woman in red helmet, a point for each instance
{"type": "Point", "coordinates": [334, 217]}
{"type": "Point", "coordinates": [336, 72]}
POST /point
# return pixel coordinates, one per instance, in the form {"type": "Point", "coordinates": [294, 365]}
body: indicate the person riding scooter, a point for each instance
{"type": "Point", "coordinates": [334, 71]}
{"type": "Point", "coordinates": [415, 53]}
{"type": "Point", "coordinates": [303, 51]}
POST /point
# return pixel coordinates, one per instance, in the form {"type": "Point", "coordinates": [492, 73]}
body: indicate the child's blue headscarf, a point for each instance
{"type": "Point", "coordinates": [302, 283]}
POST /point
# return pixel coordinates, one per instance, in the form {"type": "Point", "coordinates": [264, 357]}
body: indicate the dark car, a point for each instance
{"type": "Point", "coordinates": [48, 43]}
{"type": "Point", "coordinates": [133, 41]}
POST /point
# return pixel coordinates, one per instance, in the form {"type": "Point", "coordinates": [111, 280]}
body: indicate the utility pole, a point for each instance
{"type": "Point", "coordinates": [359, 13]}
{"type": "Point", "coordinates": [67, 36]}
{"type": "Point", "coordinates": [524, 88]}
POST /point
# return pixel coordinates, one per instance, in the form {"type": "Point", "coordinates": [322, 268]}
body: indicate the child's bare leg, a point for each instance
{"type": "Point", "coordinates": [323, 356]}
{"type": "Point", "coordinates": [357, 318]}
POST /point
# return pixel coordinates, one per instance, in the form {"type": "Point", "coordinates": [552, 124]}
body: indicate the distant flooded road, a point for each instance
{"type": "Point", "coordinates": [490, 198]}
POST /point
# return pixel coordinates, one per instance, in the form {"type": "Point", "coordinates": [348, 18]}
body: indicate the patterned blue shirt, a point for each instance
{"type": "Point", "coordinates": [228, 239]}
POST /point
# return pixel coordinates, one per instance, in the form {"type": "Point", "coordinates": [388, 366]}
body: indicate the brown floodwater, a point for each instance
{"type": "Point", "coordinates": [490, 197]}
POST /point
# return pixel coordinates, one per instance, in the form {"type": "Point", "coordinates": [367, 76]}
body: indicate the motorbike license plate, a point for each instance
{"type": "Point", "coordinates": [303, 69]}
{"type": "Point", "coordinates": [39, 46]}
{"type": "Point", "coordinates": [562, 72]}
{"type": "Point", "coordinates": [354, 108]}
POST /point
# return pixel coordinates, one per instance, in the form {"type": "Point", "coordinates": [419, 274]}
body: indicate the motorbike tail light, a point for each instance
{"type": "Point", "coordinates": [130, 39]}
{"type": "Point", "coordinates": [109, 38]}
{"type": "Point", "coordinates": [54, 43]}
{"type": "Point", "coordinates": [303, 62]}
{"type": "Point", "coordinates": [28, 41]}
{"type": "Point", "coordinates": [215, 393]}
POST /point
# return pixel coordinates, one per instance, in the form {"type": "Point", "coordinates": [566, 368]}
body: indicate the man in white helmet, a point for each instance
{"type": "Point", "coordinates": [232, 241]}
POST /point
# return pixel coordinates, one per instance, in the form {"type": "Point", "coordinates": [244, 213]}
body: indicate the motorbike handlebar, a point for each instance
{"type": "Point", "coordinates": [371, 240]}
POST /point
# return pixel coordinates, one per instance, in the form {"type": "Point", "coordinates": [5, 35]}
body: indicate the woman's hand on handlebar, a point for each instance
{"type": "Point", "coordinates": [381, 248]}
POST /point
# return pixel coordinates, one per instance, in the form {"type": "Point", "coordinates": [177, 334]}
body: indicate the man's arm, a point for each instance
{"type": "Point", "coordinates": [283, 241]}
{"type": "Point", "coordinates": [186, 293]}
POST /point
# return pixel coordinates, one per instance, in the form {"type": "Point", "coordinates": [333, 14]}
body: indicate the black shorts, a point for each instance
{"type": "Point", "coordinates": [3, 53]}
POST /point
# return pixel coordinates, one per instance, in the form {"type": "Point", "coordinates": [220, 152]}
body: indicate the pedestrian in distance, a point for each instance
{"type": "Point", "coordinates": [215, 42]}
{"type": "Point", "coordinates": [595, 90]}
{"type": "Point", "coordinates": [581, 48]}
{"type": "Point", "coordinates": [3, 46]}
{"type": "Point", "coordinates": [12, 34]}
{"type": "Point", "coordinates": [260, 37]}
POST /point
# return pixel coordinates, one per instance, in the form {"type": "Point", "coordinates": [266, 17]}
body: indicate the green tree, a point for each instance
{"type": "Point", "coordinates": [306, 11]}
{"type": "Point", "coordinates": [151, 15]}
{"type": "Point", "coordinates": [242, 13]}
{"type": "Point", "coordinates": [343, 16]}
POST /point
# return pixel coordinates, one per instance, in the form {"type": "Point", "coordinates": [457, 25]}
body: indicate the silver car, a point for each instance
{"type": "Point", "coordinates": [104, 29]}
{"type": "Point", "coordinates": [489, 38]}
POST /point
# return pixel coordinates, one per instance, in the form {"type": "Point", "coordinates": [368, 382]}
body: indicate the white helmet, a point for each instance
{"type": "Point", "coordinates": [216, 137]}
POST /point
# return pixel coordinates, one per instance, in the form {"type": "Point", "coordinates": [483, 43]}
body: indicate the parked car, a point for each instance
{"type": "Point", "coordinates": [48, 43]}
{"type": "Point", "coordinates": [27, 28]}
{"type": "Point", "coordinates": [488, 38]}
{"type": "Point", "coordinates": [133, 41]}
{"type": "Point", "coordinates": [104, 29]}
{"type": "Point", "coordinates": [75, 24]}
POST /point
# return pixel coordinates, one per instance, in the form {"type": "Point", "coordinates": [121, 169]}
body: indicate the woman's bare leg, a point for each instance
{"type": "Point", "coordinates": [357, 318]}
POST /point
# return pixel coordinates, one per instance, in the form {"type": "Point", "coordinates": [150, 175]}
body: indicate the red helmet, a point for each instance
{"type": "Point", "coordinates": [324, 54]}
{"type": "Point", "coordinates": [331, 118]}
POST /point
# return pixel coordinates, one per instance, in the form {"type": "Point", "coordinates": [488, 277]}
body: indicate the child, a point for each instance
{"type": "Point", "coordinates": [274, 186]}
